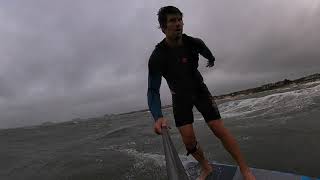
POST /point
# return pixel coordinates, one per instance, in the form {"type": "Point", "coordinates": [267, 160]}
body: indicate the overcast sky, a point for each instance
{"type": "Point", "coordinates": [61, 60]}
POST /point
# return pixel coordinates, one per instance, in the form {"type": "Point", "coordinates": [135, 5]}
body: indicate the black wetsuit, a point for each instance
{"type": "Point", "coordinates": [179, 67]}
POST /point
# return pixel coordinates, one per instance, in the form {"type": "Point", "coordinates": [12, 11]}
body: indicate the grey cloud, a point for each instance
{"type": "Point", "coordinates": [61, 60]}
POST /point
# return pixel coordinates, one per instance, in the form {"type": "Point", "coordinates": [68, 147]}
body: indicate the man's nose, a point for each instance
{"type": "Point", "coordinates": [179, 23]}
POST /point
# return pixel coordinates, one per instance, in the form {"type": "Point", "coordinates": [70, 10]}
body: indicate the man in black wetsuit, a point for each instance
{"type": "Point", "coordinates": [176, 59]}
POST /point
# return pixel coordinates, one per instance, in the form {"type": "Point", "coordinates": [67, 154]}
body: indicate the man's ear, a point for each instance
{"type": "Point", "coordinates": [163, 30]}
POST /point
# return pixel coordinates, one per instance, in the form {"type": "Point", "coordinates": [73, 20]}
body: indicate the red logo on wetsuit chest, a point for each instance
{"type": "Point", "coordinates": [184, 60]}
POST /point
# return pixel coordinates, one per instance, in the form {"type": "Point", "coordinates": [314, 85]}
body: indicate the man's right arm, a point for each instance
{"type": "Point", "coordinates": [154, 83]}
{"type": "Point", "coordinates": [154, 102]}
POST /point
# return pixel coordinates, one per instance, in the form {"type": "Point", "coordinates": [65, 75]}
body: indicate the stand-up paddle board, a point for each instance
{"type": "Point", "coordinates": [230, 172]}
{"type": "Point", "coordinates": [191, 171]}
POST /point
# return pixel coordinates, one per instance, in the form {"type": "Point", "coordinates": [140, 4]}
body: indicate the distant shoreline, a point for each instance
{"type": "Point", "coordinates": [272, 86]}
{"type": "Point", "coordinates": [230, 96]}
{"type": "Point", "coordinates": [266, 87]}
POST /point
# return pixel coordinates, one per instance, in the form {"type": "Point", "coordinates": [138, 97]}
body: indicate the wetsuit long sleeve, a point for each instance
{"type": "Point", "coordinates": [204, 50]}
{"type": "Point", "coordinates": [154, 102]}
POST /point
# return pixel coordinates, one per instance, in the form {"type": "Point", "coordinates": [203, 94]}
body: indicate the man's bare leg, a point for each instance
{"type": "Point", "coordinates": [190, 142]}
{"type": "Point", "coordinates": [231, 145]}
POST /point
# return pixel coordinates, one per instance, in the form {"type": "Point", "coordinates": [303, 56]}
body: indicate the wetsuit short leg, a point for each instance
{"type": "Point", "coordinates": [207, 107]}
{"type": "Point", "coordinates": [182, 107]}
{"type": "Point", "coordinates": [182, 110]}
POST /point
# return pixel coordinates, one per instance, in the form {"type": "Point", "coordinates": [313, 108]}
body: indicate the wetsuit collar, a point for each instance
{"type": "Point", "coordinates": [163, 43]}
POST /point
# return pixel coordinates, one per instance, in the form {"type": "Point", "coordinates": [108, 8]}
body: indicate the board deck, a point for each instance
{"type": "Point", "coordinates": [230, 172]}
{"type": "Point", "coordinates": [191, 170]}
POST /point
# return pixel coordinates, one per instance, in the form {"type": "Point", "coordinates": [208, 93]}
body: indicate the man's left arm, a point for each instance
{"type": "Point", "coordinates": [205, 52]}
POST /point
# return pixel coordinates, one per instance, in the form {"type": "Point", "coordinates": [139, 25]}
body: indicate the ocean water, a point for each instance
{"type": "Point", "coordinates": [277, 130]}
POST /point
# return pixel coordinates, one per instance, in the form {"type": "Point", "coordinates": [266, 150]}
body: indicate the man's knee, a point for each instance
{"type": "Point", "coordinates": [187, 134]}
{"type": "Point", "coordinates": [188, 138]}
{"type": "Point", "coordinates": [189, 141]}
{"type": "Point", "coordinates": [217, 127]}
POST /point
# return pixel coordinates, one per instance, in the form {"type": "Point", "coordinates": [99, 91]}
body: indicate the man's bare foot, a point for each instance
{"type": "Point", "coordinates": [248, 175]}
{"type": "Point", "coordinates": [205, 171]}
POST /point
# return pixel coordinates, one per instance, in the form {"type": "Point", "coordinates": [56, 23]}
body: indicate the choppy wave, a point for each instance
{"type": "Point", "coordinates": [143, 157]}
{"type": "Point", "coordinates": [275, 103]}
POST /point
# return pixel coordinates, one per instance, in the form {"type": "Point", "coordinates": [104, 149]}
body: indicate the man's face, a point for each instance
{"type": "Point", "coordinates": [174, 26]}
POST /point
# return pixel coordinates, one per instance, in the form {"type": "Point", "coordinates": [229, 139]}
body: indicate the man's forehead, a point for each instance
{"type": "Point", "coordinates": [173, 16]}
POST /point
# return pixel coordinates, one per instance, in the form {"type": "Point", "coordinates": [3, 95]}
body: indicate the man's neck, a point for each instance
{"type": "Point", "coordinates": [174, 42]}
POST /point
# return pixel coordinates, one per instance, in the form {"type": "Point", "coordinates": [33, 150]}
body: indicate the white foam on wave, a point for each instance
{"type": "Point", "coordinates": [143, 158]}
{"type": "Point", "coordinates": [199, 119]}
{"type": "Point", "coordinates": [278, 102]}
{"type": "Point", "coordinates": [117, 129]}
{"type": "Point", "coordinates": [312, 83]}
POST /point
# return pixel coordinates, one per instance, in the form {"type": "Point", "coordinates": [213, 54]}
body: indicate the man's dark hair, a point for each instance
{"type": "Point", "coordinates": [164, 11]}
